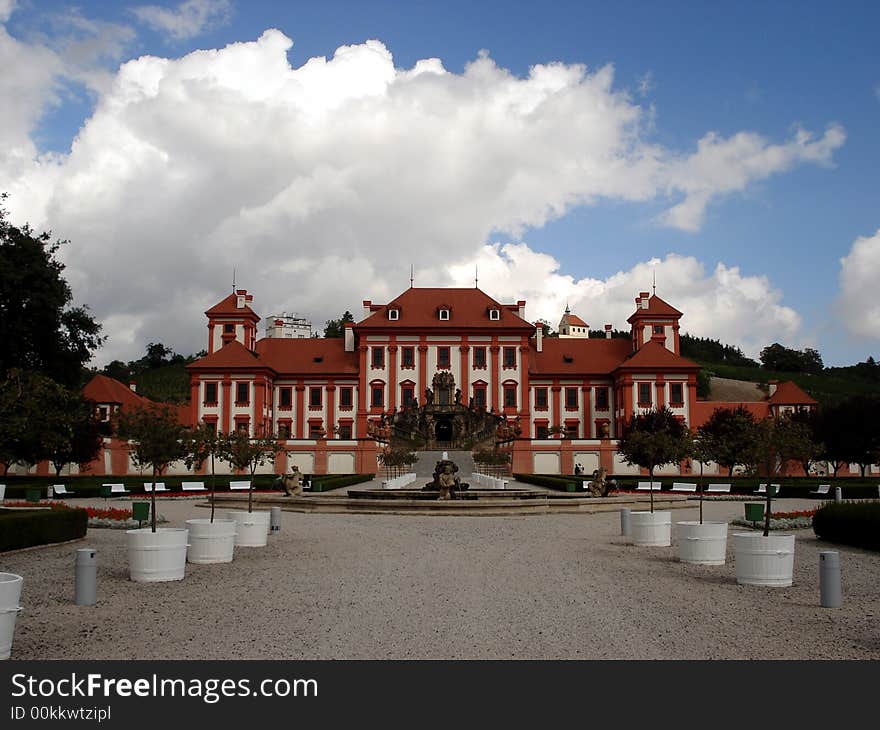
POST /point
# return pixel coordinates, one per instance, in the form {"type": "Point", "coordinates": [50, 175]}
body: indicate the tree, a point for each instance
{"type": "Point", "coordinates": [72, 431]}
{"type": "Point", "coordinates": [158, 355]}
{"type": "Point", "coordinates": [39, 329]}
{"type": "Point", "coordinates": [806, 446]}
{"type": "Point", "coordinates": [206, 444]}
{"type": "Point", "coordinates": [336, 327]}
{"type": "Point", "coordinates": [727, 437]}
{"type": "Point", "coordinates": [850, 432]}
{"type": "Point", "coordinates": [246, 453]}
{"type": "Point", "coordinates": [159, 440]}
{"type": "Point", "coordinates": [652, 439]}
{"type": "Point", "coordinates": [777, 357]}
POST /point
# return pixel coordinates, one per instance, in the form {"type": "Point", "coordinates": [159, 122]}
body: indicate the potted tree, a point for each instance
{"type": "Point", "coordinates": [248, 454]}
{"type": "Point", "coordinates": [651, 439]}
{"type": "Point", "coordinates": [211, 540]}
{"type": "Point", "coordinates": [702, 542]}
{"type": "Point", "coordinates": [157, 440]}
{"type": "Point", "coordinates": [765, 559]}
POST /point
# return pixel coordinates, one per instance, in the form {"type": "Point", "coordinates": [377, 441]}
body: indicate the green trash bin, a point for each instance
{"type": "Point", "coordinates": [32, 494]}
{"type": "Point", "coordinates": [140, 511]}
{"type": "Point", "coordinates": [106, 490]}
{"type": "Point", "coordinates": [754, 511]}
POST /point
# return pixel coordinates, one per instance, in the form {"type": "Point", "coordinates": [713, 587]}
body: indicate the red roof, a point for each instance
{"type": "Point", "coordinates": [789, 393]}
{"type": "Point", "coordinates": [469, 309]}
{"type": "Point", "coordinates": [652, 355]}
{"type": "Point", "coordinates": [564, 356]}
{"type": "Point", "coordinates": [576, 321]}
{"type": "Point", "coordinates": [227, 307]}
{"type": "Point", "coordinates": [102, 389]}
{"type": "Point", "coordinates": [307, 356]}
{"type": "Point", "coordinates": [232, 355]}
{"type": "Point", "coordinates": [656, 307]}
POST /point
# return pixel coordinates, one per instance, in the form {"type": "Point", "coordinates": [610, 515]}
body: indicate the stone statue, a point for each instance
{"type": "Point", "coordinates": [598, 487]}
{"type": "Point", "coordinates": [458, 396]}
{"type": "Point", "coordinates": [429, 396]}
{"type": "Point", "coordinates": [447, 480]}
{"type": "Point", "coordinates": [291, 483]}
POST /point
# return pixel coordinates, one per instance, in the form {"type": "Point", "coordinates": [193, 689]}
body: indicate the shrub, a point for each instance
{"type": "Point", "coordinates": [849, 523]}
{"type": "Point", "coordinates": [331, 481]}
{"type": "Point", "coordinates": [25, 528]}
{"type": "Point", "coordinates": [552, 482]}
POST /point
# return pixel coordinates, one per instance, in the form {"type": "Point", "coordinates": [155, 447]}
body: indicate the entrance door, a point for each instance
{"type": "Point", "coordinates": [443, 429]}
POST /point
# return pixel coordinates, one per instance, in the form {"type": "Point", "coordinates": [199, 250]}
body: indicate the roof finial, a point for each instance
{"type": "Point", "coordinates": [476, 276]}
{"type": "Point", "coordinates": [654, 281]}
{"type": "Point", "coordinates": [567, 310]}
{"type": "Point", "coordinates": [411, 275]}
{"type": "Point", "coordinates": [233, 280]}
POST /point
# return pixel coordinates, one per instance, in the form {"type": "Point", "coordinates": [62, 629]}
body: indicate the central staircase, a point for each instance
{"type": "Point", "coordinates": [424, 467]}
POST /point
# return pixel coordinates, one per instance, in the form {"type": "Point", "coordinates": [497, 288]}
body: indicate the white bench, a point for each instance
{"type": "Point", "coordinates": [718, 489]}
{"type": "Point", "coordinates": [57, 490]}
{"type": "Point", "coordinates": [684, 487]}
{"type": "Point", "coordinates": [823, 489]}
{"type": "Point", "coordinates": [646, 487]}
{"type": "Point", "coordinates": [762, 489]}
{"type": "Point", "coordinates": [192, 486]}
{"type": "Point", "coordinates": [116, 488]}
{"type": "Point", "coordinates": [160, 487]}
{"type": "Point", "coordinates": [235, 486]}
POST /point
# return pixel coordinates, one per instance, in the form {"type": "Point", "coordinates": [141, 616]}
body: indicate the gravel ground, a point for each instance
{"type": "Point", "coordinates": [428, 587]}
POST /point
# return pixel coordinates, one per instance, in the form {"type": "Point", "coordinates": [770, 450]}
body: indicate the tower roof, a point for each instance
{"type": "Point", "coordinates": [228, 306]}
{"type": "Point", "coordinates": [656, 307]}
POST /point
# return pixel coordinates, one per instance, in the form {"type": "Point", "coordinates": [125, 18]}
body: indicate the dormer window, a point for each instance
{"type": "Point", "coordinates": [393, 314]}
{"type": "Point", "coordinates": [495, 314]}
{"type": "Point", "coordinates": [444, 314]}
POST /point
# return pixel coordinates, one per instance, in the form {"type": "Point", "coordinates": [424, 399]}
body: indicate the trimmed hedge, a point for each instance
{"type": "Point", "coordinates": [558, 483]}
{"type": "Point", "coordinates": [26, 528]}
{"type": "Point", "coordinates": [849, 523]}
{"type": "Point", "coordinates": [324, 483]}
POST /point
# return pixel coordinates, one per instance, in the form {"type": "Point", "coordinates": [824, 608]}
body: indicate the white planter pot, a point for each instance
{"type": "Point", "coordinates": [252, 528]}
{"type": "Point", "coordinates": [210, 542]}
{"type": "Point", "coordinates": [157, 556]}
{"type": "Point", "coordinates": [651, 529]}
{"type": "Point", "coordinates": [10, 594]}
{"type": "Point", "coordinates": [763, 561]}
{"type": "Point", "coordinates": [702, 544]}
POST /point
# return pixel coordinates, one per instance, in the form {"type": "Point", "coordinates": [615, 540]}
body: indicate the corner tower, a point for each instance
{"type": "Point", "coordinates": [232, 319]}
{"type": "Point", "coordinates": [654, 321]}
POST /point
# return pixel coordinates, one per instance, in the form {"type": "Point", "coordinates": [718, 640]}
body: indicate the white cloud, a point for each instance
{"type": "Point", "coordinates": [858, 303]}
{"type": "Point", "coordinates": [189, 19]}
{"type": "Point", "coordinates": [745, 311]}
{"type": "Point", "coordinates": [6, 9]}
{"type": "Point", "coordinates": [321, 184]}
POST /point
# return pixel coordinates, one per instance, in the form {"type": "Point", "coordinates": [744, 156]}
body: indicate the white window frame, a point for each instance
{"type": "Point", "coordinates": [444, 315]}
{"type": "Point", "coordinates": [495, 314]}
{"type": "Point", "coordinates": [394, 314]}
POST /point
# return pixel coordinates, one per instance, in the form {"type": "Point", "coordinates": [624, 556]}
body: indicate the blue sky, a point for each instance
{"type": "Point", "coordinates": [691, 68]}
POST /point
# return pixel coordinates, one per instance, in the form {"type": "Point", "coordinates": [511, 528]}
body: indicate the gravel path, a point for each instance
{"type": "Point", "coordinates": [394, 587]}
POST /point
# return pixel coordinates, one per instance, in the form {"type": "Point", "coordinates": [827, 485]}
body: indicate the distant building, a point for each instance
{"type": "Point", "coordinates": [286, 325]}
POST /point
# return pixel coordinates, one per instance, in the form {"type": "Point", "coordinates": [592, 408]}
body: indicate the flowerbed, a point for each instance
{"type": "Point", "coordinates": [109, 517]}
{"type": "Point", "coordinates": [796, 520]}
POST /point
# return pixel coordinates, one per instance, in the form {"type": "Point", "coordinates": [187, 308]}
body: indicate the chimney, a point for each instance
{"type": "Point", "coordinates": [241, 298]}
{"type": "Point", "coordinates": [771, 387]}
{"type": "Point", "coordinates": [348, 334]}
{"type": "Point", "coordinates": [608, 329]}
{"type": "Point", "coordinates": [521, 306]}
{"type": "Point", "coordinates": [132, 386]}
{"type": "Point", "coordinates": [368, 310]}
{"type": "Point", "coordinates": [644, 297]}
{"type": "Point", "coordinates": [539, 337]}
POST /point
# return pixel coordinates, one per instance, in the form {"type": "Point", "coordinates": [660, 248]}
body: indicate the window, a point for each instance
{"type": "Point", "coordinates": [510, 396]}
{"type": "Point", "coordinates": [345, 397]}
{"type": "Point", "coordinates": [601, 399]}
{"type": "Point", "coordinates": [211, 426]}
{"type": "Point", "coordinates": [393, 314]}
{"type": "Point", "coordinates": [541, 431]}
{"type": "Point", "coordinates": [676, 394]}
{"type": "Point", "coordinates": [407, 394]}
{"type": "Point", "coordinates": [284, 431]}
{"type": "Point", "coordinates": [378, 357]}
{"type": "Point", "coordinates": [242, 394]}
{"type": "Point", "coordinates": [540, 399]}
{"type": "Point", "coordinates": [494, 314]}
{"type": "Point", "coordinates": [645, 394]}
{"type": "Point", "coordinates": [285, 397]}
{"type": "Point", "coordinates": [229, 328]}
{"type": "Point", "coordinates": [658, 329]}
{"type": "Point", "coordinates": [316, 430]}
{"type": "Point", "coordinates": [479, 357]}
{"type": "Point", "coordinates": [344, 431]}
{"type": "Point", "coordinates": [315, 398]}
{"type": "Point", "coordinates": [377, 396]}
{"type": "Point", "coordinates": [571, 399]}
{"type": "Point", "coordinates": [241, 426]}
{"type": "Point", "coordinates": [571, 429]}
{"type": "Point", "coordinates": [442, 357]}
{"type": "Point", "coordinates": [210, 393]}
{"type": "Point", "coordinates": [407, 357]}
{"type": "Point", "coordinates": [444, 314]}
{"type": "Point", "coordinates": [103, 413]}
{"type": "Point", "coordinates": [509, 357]}
{"type": "Point", "coordinates": [480, 397]}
